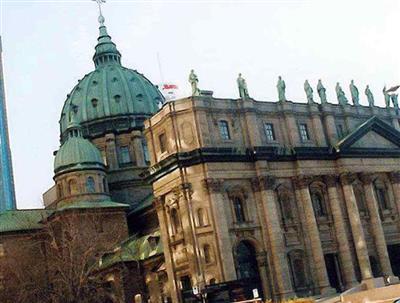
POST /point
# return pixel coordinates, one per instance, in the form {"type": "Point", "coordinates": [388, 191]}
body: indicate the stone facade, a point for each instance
{"type": "Point", "coordinates": [309, 193]}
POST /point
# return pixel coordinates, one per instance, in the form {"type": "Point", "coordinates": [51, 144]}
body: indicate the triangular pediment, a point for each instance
{"type": "Point", "coordinates": [372, 135]}
{"type": "Point", "coordinates": [373, 140]}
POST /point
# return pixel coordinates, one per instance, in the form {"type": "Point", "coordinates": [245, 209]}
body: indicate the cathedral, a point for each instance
{"type": "Point", "coordinates": [205, 198]}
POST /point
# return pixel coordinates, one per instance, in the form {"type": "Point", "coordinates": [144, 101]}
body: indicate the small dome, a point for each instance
{"type": "Point", "coordinates": [77, 153]}
{"type": "Point", "coordinates": [111, 96]}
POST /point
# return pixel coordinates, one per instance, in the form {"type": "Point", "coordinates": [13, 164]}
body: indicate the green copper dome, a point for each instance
{"type": "Point", "coordinates": [111, 97]}
{"type": "Point", "coordinates": [77, 153]}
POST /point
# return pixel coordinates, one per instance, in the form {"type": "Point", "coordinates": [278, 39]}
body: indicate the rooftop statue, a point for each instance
{"type": "Point", "coordinates": [340, 95]}
{"type": "Point", "coordinates": [387, 97]}
{"type": "Point", "coordinates": [242, 85]}
{"type": "Point", "coordinates": [394, 100]}
{"type": "Point", "coordinates": [321, 92]}
{"type": "Point", "coordinates": [309, 92]}
{"type": "Point", "coordinates": [370, 96]}
{"type": "Point", "coordinates": [193, 80]}
{"type": "Point", "coordinates": [281, 86]}
{"type": "Point", "coordinates": [354, 93]}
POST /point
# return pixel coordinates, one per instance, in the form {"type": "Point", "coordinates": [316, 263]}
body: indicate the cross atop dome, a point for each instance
{"type": "Point", "coordinates": [101, 17]}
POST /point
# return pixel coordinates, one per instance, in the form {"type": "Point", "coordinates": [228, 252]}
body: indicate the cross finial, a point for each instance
{"type": "Point", "coordinates": [101, 18]}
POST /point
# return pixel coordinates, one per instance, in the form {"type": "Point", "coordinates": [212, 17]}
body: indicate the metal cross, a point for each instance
{"type": "Point", "coordinates": [101, 18]}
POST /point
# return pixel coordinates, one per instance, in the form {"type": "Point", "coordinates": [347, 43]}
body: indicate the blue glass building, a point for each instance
{"type": "Point", "coordinates": [7, 192]}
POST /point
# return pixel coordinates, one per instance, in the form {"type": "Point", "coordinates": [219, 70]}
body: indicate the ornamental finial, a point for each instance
{"type": "Point", "coordinates": [101, 18]}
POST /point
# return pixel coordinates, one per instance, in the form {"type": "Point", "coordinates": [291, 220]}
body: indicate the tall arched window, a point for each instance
{"type": "Point", "coordinates": [285, 204]}
{"type": "Point", "coordinates": [60, 193]}
{"type": "Point", "coordinates": [105, 188]}
{"type": "Point", "coordinates": [90, 185]}
{"type": "Point", "coordinates": [207, 254]}
{"type": "Point", "coordinates": [246, 261]}
{"type": "Point", "coordinates": [238, 208]}
{"type": "Point", "coordinates": [176, 226]}
{"type": "Point", "coordinates": [73, 187]}
{"type": "Point", "coordinates": [318, 202]}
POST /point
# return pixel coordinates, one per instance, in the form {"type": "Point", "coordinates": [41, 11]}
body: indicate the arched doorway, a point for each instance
{"type": "Point", "coordinates": [246, 261]}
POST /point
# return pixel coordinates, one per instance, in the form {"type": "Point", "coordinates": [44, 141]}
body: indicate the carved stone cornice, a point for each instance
{"type": "Point", "coordinates": [213, 185]}
{"type": "Point", "coordinates": [331, 180]}
{"type": "Point", "coordinates": [302, 181]}
{"type": "Point", "coordinates": [366, 178]}
{"type": "Point", "coordinates": [267, 182]}
{"type": "Point", "coordinates": [347, 178]}
{"type": "Point", "coordinates": [395, 176]}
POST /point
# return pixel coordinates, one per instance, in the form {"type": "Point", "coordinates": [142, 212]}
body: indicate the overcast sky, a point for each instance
{"type": "Point", "coordinates": [48, 46]}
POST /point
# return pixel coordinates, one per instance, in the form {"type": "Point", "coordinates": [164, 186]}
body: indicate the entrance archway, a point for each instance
{"type": "Point", "coordinates": [394, 258]}
{"type": "Point", "coordinates": [246, 261]}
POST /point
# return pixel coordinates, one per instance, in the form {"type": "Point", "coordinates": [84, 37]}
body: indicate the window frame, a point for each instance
{"type": "Point", "coordinates": [303, 129]}
{"type": "Point", "coordinates": [124, 155]}
{"type": "Point", "coordinates": [239, 213]}
{"type": "Point", "coordinates": [224, 131]}
{"type": "Point", "coordinates": [162, 141]}
{"type": "Point", "coordinates": [269, 133]}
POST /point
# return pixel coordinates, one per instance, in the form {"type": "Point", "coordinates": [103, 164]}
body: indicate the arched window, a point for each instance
{"type": "Point", "coordinates": [73, 187]}
{"type": "Point", "coordinates": [176, 226]}
{"type": "Point", "coordinates": [318, 202]}
{"type": "Point", "coordinates": [238, 209]}
{"type": "Point", "coordinates": [381, 194]}
{"type": "Point", "coordinates": [207, 254]}
{"type": "Point", "coordinates": [90, 185]}
{"type": "Point", "coordinates": [201, 219]}
{"type": "Point", "coordinates": [285, 205]}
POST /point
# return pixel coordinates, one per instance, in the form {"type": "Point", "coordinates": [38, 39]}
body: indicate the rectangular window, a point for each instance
{"type": "Point", "coordinates": [163, 142]}
{"type": "Point", "coordinates": [269, 131]}
{"type": "Point", "coordinates": [124, 155]}
{"type": "Point", "coordinates": [304, 136]}
{"type": "Point", "coordinates": [340, 131]}
{"type": "Point", "coordinates": [224, 130]}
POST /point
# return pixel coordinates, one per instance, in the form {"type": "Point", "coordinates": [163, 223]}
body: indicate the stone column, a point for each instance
{"type": "Point", "coordinates": [356, 226]}
{"type": "Point", "coordinates": [376, 225]}
{"type": "Point", "coordinates": [395, 179]}
{"type": "Point", "coordinates": [262, 263]}
{"type": "Point", "coordinates": [220, 220]}
{"type": "Point", "coordinates": [324, 286]}
{"type": "Point", "coordinates": [174, 289]}
{"type": "Point", "coordinates": [136, 137]}
{"type": "Point", "coordinates": [341, 235]}
{"type": "Point", "coordinates": [275, 236]}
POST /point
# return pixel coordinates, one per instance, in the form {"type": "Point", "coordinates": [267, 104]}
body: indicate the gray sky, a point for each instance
{"type": "Point", "coordinates": [48, 46]}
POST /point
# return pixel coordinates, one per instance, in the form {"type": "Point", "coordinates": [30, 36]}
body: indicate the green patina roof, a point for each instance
{"type": "Point", "coordinates": [143, 204]}
{"type": "Point", "coordinates": [133, 249]}
{"type": "Point", "coordinates": [77, 153]}
{"type": "Point", "coordinates": [19, 220]}
{"type": "Point", "coordinates": [90, 204]}
{"type": "Point", "coordinates": [111, 90]}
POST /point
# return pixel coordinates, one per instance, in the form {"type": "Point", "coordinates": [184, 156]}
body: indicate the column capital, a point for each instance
{"type": "Point", "coordinates": [136, 134]}
{"type": "Point", "coordinates": [301, 181]}
{"type": "Point", "coordinates": [395, 176]}
{"type": "Point", "coordinates": [347, 178]}
{"type": "Point", "coordinates": [158, 203]}
{"type": "Point", "coordinates": [213, 185]}
{"type": "Point", "coordinates": [267, 182]}
{"type": "Point", "coordinates": [331, 180]}
{"type": "Point", "coordinates": [366, 178]}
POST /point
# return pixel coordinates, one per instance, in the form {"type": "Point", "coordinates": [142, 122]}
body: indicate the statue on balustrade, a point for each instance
{"type": "Point", "coordinates": [340, 95]}
{"type": "Point", "coordinates": [370, 96]}
{"type": "Point", "coordinates": [242, 85]}
{"type": "Point", "coordinates": [354, 93]}
{"type": "Point", "coordinates": [394, 100]}
{"type": "Point", "coordinates": [321, 92]}
{"type": "Point", "coordinates": [193, 80]}
{"type": "Point", "coordinates": [281, 86]}
{"type": "Point", "coordinates": [309, 92]}
{"type": "Point", "coordinates": [387, 96]}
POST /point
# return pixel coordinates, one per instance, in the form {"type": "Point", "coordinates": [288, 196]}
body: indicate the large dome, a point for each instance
{"type": "Point", "coordinates": [111, 97]}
